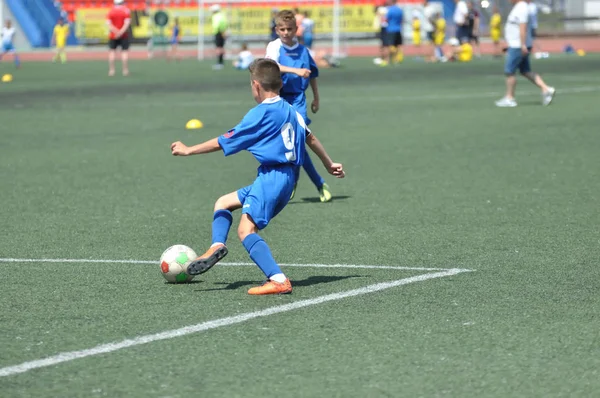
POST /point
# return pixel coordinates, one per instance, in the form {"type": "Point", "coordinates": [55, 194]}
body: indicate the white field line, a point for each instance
{"type": "Point", "coordinates": [217, 323]}
{"type": "Point", "coordinates": [87, 260]}
{"type": "Point", "coordinates": [407, 97]}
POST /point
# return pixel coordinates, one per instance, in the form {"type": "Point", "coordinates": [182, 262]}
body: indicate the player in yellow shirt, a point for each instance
{"type": "Point", "coordinates": [439, 36]}
{"type": "Point", "coordinates": [495, 26]}
{"type": "Point", "coordinates": [460, 52]}
{"type": "Point", "coordinates": [59, 38]}
{"type": "Point", "coordinates": [416, 27]}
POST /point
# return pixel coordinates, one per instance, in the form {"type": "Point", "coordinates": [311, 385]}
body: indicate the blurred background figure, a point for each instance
{"type": "Point", "coordinates": [219, 26]}
{"type": "Point", "coordinates": [59, 39]}
{"type": "Point", "coordinates": [308, 30]}
{"type": "Point", "coordinates": [244, 58]}
{"type": "Point", "coordinates": [175, 37]}
{"type": "Point", "coordinates": [8, 34]}
{"type": "Point", "coordinates": [495, 31]}
{"type": "Point", "coordinates": [473, 26]}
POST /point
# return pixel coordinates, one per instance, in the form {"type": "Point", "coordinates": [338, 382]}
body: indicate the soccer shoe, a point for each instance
{"type": "Point", "coordinates": [207, 260]}
{"type": "Point", "coordinates": [506, 103]}
{"type": "Point", "coordinates": [294, 191]}
{"type": "Point", "coordinates": [324, 193]}
{"type": "Point", "coordinates": [548, 96]}
{"type": "Point", "coordinates": [272, 287]}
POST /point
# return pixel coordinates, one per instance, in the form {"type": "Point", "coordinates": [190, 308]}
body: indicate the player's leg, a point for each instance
{"type": "Point", "coordinates": [125, 56]}
{"type": "Point", "coordinates": [16, 59]}
{"type": "Point", "coordinates": [547, 91]}
{"type": "Point", "coordinates": [220, 51]}
{"type": "Point", "coordinates": [63, 54]}
{"type": "Point", "coordinates": [513, 60]}
{"type": "Point", "coordinates": [267, 197]}
{"type": "Point", "coordinates": [112, 49]}
{"type": "Point", "coordinates": [398, 43]}
{"type": "Point", "coordinates": [222, 219]}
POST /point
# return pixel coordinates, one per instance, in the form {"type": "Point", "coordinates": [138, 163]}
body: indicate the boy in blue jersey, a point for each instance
{"type": "Point", "coordinates": [276, 135]}
{"type": "Point", "coordinates": [394, 18]}
{"type": "Point", "coordinates": [175, 38]}
{"type": "Point", "coordinates": [298, 71]}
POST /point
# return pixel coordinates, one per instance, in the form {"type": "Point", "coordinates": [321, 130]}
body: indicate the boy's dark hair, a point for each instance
{"type": "Point", "coordinates": [244, 46]}
{"type": "Point", "coordinates": [266, 72]}
{"type": "Point", "coordinates": [284, 17]}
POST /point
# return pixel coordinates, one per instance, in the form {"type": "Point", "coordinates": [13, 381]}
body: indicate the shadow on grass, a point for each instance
{"type": "Point", "coordinates": [310, 281]}
{"type": "Point", "coordinates": [315, 199]}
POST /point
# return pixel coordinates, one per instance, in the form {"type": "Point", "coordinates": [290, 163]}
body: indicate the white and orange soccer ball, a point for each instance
{"type": "Point", "coordinates": [174, 262]}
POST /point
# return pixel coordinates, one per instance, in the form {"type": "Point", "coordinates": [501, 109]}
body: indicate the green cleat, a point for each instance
{"type": "Point", "coordinates": [294, 191]}
{"type": "Point", "coordinates": [324, 193]}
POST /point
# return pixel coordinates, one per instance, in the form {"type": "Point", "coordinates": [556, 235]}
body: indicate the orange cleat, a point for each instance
{"type": "Point", "coordinates": [272, 287]}
{"type": "Point", "coordinates": [207, 260]}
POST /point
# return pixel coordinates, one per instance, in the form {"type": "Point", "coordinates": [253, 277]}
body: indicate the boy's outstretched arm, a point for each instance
{"type": "Point", "coordinates": [302, 72]}
{"type": "Point", "coordinates": [315, 145]}
{"type": "Point", "coordinates": [180, 149]}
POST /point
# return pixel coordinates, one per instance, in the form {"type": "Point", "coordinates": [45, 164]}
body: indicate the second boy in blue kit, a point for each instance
{"type": "Point", "coordinates": [298, 71]}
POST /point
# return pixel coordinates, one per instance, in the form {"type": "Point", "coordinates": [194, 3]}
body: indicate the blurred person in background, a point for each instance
{"type": "Point", "coordinates": [244, 58]}
{"type": "Point", "coordinates": [308, 30]}
{"type": "Point", "coordinates": [273, 25]}
{"type": "Point", "coordinates": [8, 33]}
{"type": "Point", "coordinates": [416, 30]}
{"type": "Point", "coordinates": [380, 26]}
{"type": "Point", "coordinates": [59, 39]}
{"type": "Point", "coordinates": [300, 28]}
{"type": "Point", "coordinates": [517, 34]}
{"type": "Point", "coordinates": [429, 13]}
{"type": "Point", "coordinates": [533, 24]}
{"type": "Point", "coordinates": [394, 18]}
{"type": "Point", "coordinates": [118, 21]}
{"type": "Point", "coordinates": [473, 27]}
{"type": "Point", "coordinates": [461, 20]}
{"type": "Point", "coordinates": [219, 26]}
{"type": "Point", "coordinates": [495, 31]}
{"type": "Point", "coordinates": [175, 38]}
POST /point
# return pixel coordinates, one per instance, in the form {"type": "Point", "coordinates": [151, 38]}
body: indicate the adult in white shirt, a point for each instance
{"type": "Point", "coordinates": [518, 38]}
{"type": "Point", "coordinates": [461, 20]}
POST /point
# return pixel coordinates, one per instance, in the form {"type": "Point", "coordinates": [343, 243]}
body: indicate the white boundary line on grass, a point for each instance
{"type": "Point", "coordinates": [87, 260]}
{"type": "Point", "coordinates": [217, 323]}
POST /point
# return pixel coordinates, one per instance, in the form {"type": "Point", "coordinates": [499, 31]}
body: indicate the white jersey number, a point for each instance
{"type": "Point", "coordinates": [289, 138]}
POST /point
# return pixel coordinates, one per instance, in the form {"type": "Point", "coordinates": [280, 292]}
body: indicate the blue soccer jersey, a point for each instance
{"type": "Point", "coordinates": [272, 131]}
{"type": "Point", "coordinates": [296, 56]}
{"type": "Point", "coordinates": [395, 15]}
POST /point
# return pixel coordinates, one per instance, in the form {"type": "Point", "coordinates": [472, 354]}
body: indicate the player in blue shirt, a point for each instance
{"type": "Point", "coordinates": [175, 37]}
{"type": "Point", "coordinates": [298, 71]}
{"type": "Point", "coordinates": [394, 18]}
{"type": "Point", "coordinates": [276, 134]}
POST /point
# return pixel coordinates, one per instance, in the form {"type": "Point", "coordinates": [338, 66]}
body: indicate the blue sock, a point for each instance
{"type": "Point", "coordinates": [261, 254]}
{"type": "Point", "coordinates": [220, 226]}
{"type": "Point", "coordinates": [309, 167]}
{"type": "Point", "coordinates": [17, 61]}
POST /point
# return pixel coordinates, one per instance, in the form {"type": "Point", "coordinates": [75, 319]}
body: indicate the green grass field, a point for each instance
{"type": "Point", "coordinates": [437, 179]}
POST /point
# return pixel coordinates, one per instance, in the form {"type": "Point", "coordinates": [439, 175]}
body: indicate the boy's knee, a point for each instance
{"type": "Point", "coordinates": [246, 227]}
{"type": "Point", "coordinates": [244, 231]}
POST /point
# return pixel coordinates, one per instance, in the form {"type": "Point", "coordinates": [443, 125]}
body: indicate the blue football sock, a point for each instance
{"type": "Point", "coordinates": [220, 226]}
{"type": "Point", "coordinates": [261, 254]}
{"type": "Point", "coordinates": [17, 61]}
{"type": "Point", "coordinates": [309, 167]}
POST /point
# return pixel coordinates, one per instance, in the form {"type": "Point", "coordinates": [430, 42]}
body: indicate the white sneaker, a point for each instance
{"type": "Point", "coordinates": [506, 103]}
{"type": "Point", "coordinates": [548, 96]}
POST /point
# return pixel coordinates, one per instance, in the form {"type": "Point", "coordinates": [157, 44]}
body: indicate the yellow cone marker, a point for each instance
{"type": "Point", "coordinates": [194, 124]}
{"type": "Point", "coordinates": [580, 52]}
{"type": "Point", "coordinates": [7, 78]}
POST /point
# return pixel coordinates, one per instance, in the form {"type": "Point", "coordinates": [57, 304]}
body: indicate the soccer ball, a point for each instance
{"type": "Point", "coordinates": [174, 262]}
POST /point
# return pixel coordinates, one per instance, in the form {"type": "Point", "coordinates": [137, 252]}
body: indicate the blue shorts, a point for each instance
{"type": "Point", "coordinates": [298, 101]}
{"type": "Point", "coordinates": [516, 60]}
{"type": "Point", "coordinates": [7, 47]}
{"type": "Point", "coordinates": [269, 193]}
